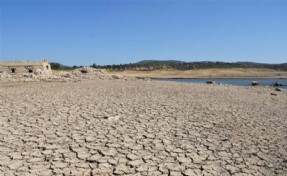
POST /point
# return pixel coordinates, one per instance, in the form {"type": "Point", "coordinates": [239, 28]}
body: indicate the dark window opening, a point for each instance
{"type": "Point", "coordinates": [47, 67]}
{"type": "Point", "coordinates": [30, 71]}
{"type": "Point", "coordinates": [13, 70]}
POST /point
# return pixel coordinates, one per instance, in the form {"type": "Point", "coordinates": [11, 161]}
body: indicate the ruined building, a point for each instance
{"type": "Point", "coordinates": [21, 67]}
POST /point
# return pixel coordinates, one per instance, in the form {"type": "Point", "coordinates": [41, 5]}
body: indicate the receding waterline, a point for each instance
{"type": "Point", "coordinates": [231, 81]}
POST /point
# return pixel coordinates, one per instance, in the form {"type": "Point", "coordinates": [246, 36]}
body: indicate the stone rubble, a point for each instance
{"type": "Point", "coordinates": [83, 73]}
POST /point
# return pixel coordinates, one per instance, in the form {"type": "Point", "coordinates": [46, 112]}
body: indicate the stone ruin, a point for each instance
{"type": "Point", "coordinates": [26, 71]}
{"type": "Point", "coordinates": [25, 67]}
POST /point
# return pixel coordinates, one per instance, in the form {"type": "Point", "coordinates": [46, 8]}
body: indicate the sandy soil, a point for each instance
{"type": "Point", "coordinates": [204, 73]}
{"type": "Point", "coordinates": [122, 127]}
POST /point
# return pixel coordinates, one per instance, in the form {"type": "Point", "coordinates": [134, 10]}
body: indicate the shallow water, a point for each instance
{"type": "Point", "coordinates": [231, 81]}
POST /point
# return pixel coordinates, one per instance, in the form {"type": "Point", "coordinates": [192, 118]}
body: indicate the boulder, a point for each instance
{"type": "Point", "coordinates": [255, 83]}
{"type": "Point", "coordinates": [210, 82]}
{"type": "Point", "coordinates": [277, 84]}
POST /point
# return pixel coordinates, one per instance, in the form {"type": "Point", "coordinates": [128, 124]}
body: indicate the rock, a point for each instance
{"type": "Point", "coordinates": [274, 94]}
{"type": "Point", "coordinates": [278, 89]}
{"type": "Point", "coordinates": [75, 75]}
{"type": "Point", "coordinates": [116, 77]}
{"type": "Point", "coordinates": [210, 82]}
{"type": "Point", "coordinates": [277, 84]}
{"type": "Point", "coordinates": [27, 75]}
{"type": "Point", "coordinates": [112, 118]}
{"type": "Point", "coordinates": [255, 83]}
{"type": "Point", "coordinates": [84, 70]}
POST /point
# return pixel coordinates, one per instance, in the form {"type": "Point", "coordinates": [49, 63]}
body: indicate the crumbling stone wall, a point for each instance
{"type": "Point", "coordinates": [23, 67]}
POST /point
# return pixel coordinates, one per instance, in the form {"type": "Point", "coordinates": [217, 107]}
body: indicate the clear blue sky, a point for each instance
{"type": "Point", "coordinates": [112, 32]}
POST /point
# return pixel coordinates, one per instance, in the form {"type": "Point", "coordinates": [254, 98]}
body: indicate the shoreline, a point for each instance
{"type": "Point", "coordinates": [213, 77]}
{"type": "Point", "coordinates": [234, 82]}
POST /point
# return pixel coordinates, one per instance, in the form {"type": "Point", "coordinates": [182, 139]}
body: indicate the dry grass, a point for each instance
{"type": "Point", "coordinates": [202, 73]}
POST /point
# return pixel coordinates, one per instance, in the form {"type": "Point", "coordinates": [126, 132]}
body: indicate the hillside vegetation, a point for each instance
{"type": "Point", "coordinates": [151, 65]}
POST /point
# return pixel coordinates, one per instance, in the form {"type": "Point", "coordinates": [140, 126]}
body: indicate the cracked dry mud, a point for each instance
{"type": "Point", "coordinates": [141, 128]}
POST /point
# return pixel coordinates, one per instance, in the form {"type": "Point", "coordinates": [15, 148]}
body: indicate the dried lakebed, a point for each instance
{"type": "Point", "coordinates": [117, 127]}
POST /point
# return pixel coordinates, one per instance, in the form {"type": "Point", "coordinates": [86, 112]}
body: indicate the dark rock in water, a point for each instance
{"type": "Point", "coordinates": [255, 83]}
{"type": "Point", "coordinates": [277, 89]}
{"type": "Point", "coordinates": [210, 82]}
{"type": "Point", "coordinates": [273, 94]}
{"type": "Point", "coordinates": [277, 84]}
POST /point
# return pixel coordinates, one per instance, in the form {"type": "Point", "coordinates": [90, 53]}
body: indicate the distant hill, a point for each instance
{"type": "Point", "coordinates": [147, 65]}
{"type": "Point", "coordinates": [181, 65]}
{"type": "Point", "coordinates": [161, 62]}
{"type": "Point", "coordinates": [171, 62]}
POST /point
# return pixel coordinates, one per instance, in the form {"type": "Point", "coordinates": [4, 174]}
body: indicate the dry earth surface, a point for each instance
{"type": "Point", "coordinates": [118, 127]}
{"type": "Point", "coordinates": [205, 73]}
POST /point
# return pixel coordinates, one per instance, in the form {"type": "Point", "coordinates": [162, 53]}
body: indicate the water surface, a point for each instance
{"type": "Point", "coordinates": [231, 81]}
